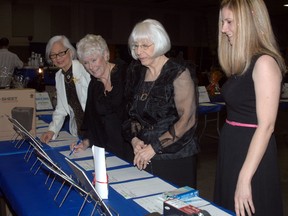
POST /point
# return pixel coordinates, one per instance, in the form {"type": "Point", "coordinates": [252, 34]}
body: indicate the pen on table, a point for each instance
{"type": "Point", "coordinates": [78, 142]}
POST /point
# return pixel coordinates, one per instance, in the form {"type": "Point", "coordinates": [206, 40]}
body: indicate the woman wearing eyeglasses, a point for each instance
{"type": "Point", "coordinates": [162, 107]}
{"type": "Point", "coordinates": [72, 82]}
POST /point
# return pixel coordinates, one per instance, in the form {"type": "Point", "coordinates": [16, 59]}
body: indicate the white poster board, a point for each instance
{"type": "Point", "coordinates": [203, 94]}
{"type": "Point", "coordinates": [284, 93]}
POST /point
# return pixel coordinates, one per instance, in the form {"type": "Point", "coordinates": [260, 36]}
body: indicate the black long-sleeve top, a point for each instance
{"type": "Point", "coordinates": [104, 112]}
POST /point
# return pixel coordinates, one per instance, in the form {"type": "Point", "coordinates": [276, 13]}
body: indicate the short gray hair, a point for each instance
{"type": "Point", "coordinates": [66, 43]}
{"type": "Point", "coordinates": [92, 44]}
{"type": "Point", "coordinates": [153, 31]}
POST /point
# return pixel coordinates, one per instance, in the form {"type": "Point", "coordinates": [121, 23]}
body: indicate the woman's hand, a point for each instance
{"type": "Point", "coordinates": [47, 136]}
{"type": "Point", "coordinates": [243, 199]}
{"type": "Point", "coordinates": [143, 157]}
{"type": "Point", "coordinates": [137, 145]}
{"type": "Point", "coordinates": [82, 146]}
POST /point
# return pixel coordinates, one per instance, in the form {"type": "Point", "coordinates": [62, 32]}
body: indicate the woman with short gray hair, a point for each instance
{"type": "Point", "coordinates": [71, 86]}
{"type": "Point", "coordinates": [162, 107]}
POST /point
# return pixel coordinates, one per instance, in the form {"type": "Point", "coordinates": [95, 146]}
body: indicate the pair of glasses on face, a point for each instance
{"type": "Point", "coordinates": [60, 54]}
{"type": "Point", "coordinates": [143, 46]}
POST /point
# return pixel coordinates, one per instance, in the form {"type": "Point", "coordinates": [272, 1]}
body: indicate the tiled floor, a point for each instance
{"type": "Point", "coordinates": [207, 157]}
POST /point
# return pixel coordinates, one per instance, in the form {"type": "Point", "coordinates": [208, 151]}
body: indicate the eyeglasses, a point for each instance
{"type": "Point", "coordinates": [143, 46]}
{"type": "Point", "coordinates": [60, 54]}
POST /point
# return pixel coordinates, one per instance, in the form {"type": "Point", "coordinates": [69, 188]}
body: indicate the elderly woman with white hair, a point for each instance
{"type": "Point", "coordinates": [162, 107]}
{"type": "Point", "coordinates": [104, 109]}
{"type": "Point", "coordinates": [72, 82]}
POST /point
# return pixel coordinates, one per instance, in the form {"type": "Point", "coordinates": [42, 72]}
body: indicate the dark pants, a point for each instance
{"type": "Point", "coordinates": [180, 172]}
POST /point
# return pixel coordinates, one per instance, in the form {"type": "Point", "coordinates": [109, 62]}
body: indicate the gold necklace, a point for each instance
{"type": "Point", "coordinates": [145, 93]}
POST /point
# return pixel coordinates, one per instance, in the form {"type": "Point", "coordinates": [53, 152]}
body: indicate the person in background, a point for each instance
{"type": "Point", "coordinates": [162, 105]}
{"type": "Point", "coordinates": [8, 59]}
{"type": "Point", "coordinates": [247, 174]}
{"type": "Point", "coordinates": [104, 109]}
{"type": "Point", "coordinates": [72, 82]}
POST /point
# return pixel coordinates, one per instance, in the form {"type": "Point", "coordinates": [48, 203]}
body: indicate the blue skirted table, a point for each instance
{"type": "Point", "coordinates": [30, 191]}
{"type": "Point", "coordinates": [207, 109]}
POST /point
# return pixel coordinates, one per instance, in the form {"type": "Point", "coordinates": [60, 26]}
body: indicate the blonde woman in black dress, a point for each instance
{"type": "Point", "coordinates": [247, 177]}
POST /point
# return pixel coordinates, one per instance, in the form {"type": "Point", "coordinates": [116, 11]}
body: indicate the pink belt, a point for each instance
{"type": "Point", "coordinates": [239, 124]}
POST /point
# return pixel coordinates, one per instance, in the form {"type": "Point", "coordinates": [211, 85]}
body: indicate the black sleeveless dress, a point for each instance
{"type": "Point", "coordinates": [239, 95]}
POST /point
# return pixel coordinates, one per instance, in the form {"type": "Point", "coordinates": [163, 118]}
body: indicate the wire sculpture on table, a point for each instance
{"type": "Point", "coordinates": [77, 179]}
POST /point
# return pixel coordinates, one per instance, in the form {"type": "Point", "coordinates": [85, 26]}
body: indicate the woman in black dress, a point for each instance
{"type": "Point", "coordinates": [104, 108]}
{"type": "Point", "coordinates": [162, 107]}
{"type": "Point", "coordinates": [247, 176]}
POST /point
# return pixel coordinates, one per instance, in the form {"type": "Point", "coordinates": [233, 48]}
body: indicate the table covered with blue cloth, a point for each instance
{"type": "Point", "coordinates": [32, 72]}
{"type": "Point", "coordinates": [206, 108]}
{"type": "Point", "coordinates": [29, 192]}
{"type": "Point", "coordinates": [32, 192]}
{"type": "Point", "coordinates": [283, 105]}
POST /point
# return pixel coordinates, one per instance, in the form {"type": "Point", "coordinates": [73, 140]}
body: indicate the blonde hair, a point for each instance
{"type": "Point", "coordinates": [253, 35]}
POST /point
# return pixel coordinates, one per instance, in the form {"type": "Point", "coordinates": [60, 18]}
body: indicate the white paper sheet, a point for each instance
{"type": "Point", "coordinates": [284, 93]}
{"type": "Point", "coordinates": [49, 112]}
{"type": "Point", "coordinates": [75, 155]}
{"type": "Point", "coordinates": [41, 130]}
{"type": "Point", "coordinates": [61, 143]}
{"type": "Point", "coordinates": [64, 135]}
{"type": "Point", "coordinates": [101, 181]}
{"type": "Point", "coordinates": [39, 134]}
{"type": "Point", "coordinates": [197, 202]}
{"type": "Point", "coordinates": [126, 174]}
{"type": "Point", "coordinates": [207, 104]}
{"type": "Point", "coordinates": [203, 94]}
{"type": "Point", "coordinates": [221, 103]}
{"type": "Point", "coordinates": [140, 188]}
{"type": "Point", "coordinates": [87, 165]}
{"type": "Point", "coordinates": [151, 203]}
{"type": "Point", "coordinates": [114, 161]}
{"type": "Point", "coordinates": [41, 123]}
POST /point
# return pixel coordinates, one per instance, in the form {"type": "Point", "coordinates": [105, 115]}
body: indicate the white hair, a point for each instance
{"type": "Point", "coordinates": [153, 31]}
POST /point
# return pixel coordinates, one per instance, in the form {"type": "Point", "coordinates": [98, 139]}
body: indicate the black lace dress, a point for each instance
{"type": "Point", "coordinates": [155, 111]}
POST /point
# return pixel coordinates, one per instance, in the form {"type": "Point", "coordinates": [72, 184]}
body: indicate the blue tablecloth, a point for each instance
{"type": "Point", "coordinates": [283, 105]}
{"type": "Point", "coordinates": [29, 195]}
{"type": "Point", "coordinates": [206, 108]}
{"type": "Point", "coordinates": [32, 73]}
